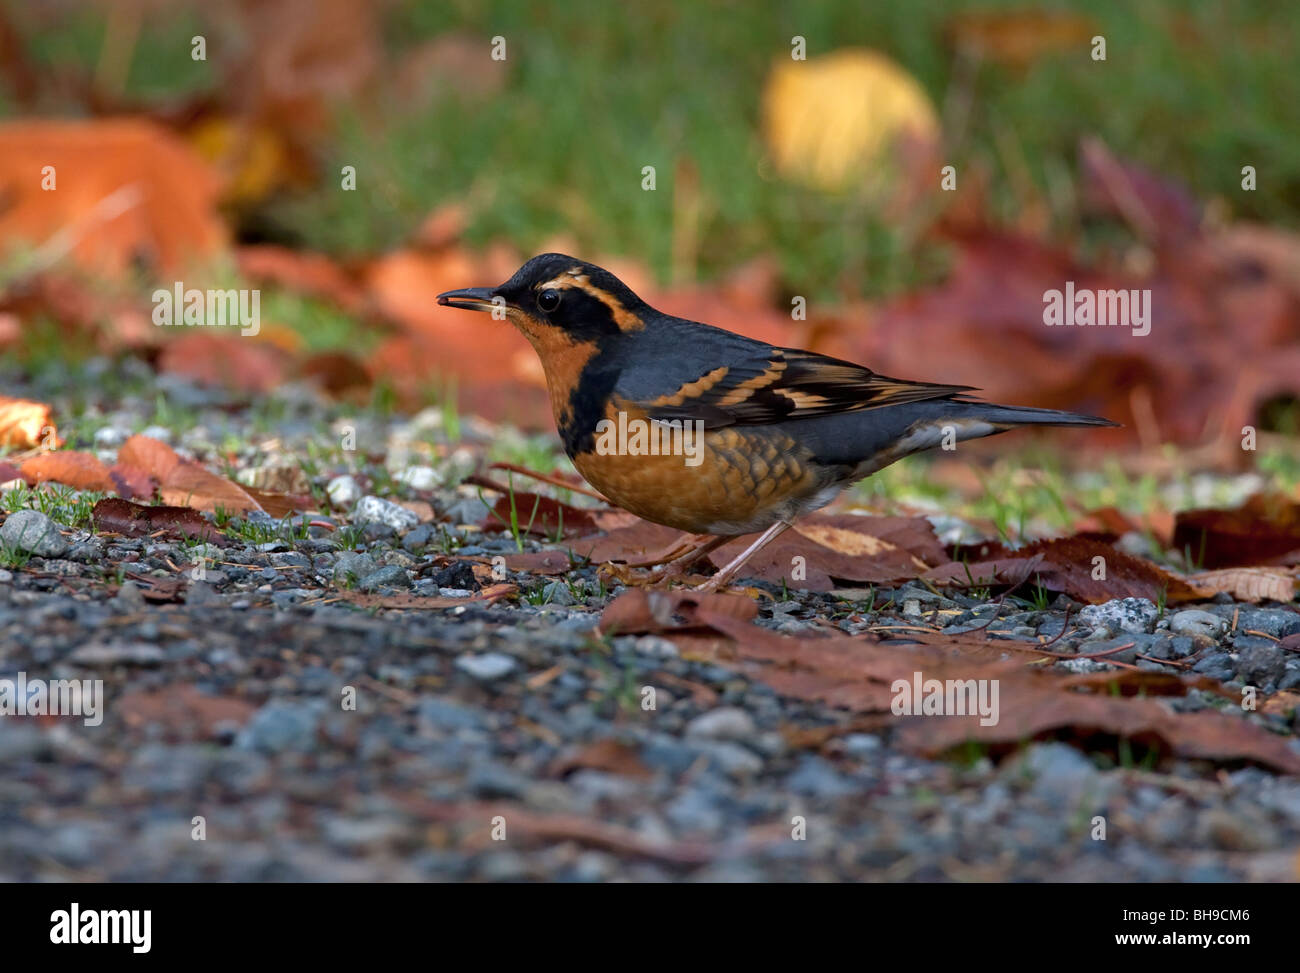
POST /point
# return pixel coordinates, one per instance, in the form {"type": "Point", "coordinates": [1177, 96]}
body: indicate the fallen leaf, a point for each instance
{"type": "Point", "coordinates": [1249, 584]}
{"type": "Point", "coordinates": [131, 482]}
{"type": "Point", "coordinates": [161, 591]}
{"type": "Point", "coordinates": [843, 547]}
{"type": "Point", "coordinates": [1264, 530]}
{"type": "Point", "coordinates": [638, 610]}
{"type": "Point", "coordinates": [147, 197]}
{"type": "Point", "coordinates": [81, 471]}
{"type": "Point", "coordinates": [116, 516]}
{"type": "Point", "coordinates": [1068, 565]}
{"type": "Point", "coordinates": [832, 120]}
{"type": "Point", "coordinates": [575, 483]}
{"type": "Point", "coordinates": [407, 600]}
{"type": "Point", "coordinates": [148, 455]}
{"type": "Point", "coordinates": [27, 425]}
{"type": "Point", "coordinates": [453, 62]}
{"type": "Point", "coordinates": [311, 274]}
{"type": "Point", "coordinates": [281, 505]}
{"type": "Point", "coordinates": [553, 828]}
{"type": "Point", "coordinates": [1284, 703]}
{"type": "Point", "coordinates": [1157, 209]}
{"type": "Point", "coordinates": [862, 675]}
{"type": "Point", "coordinates": [191, 485]}
{"type": "Point", "coordinates": [608, 755]}
{"type": "Point", "coordinates": [235, 361]}
{"type": "Point", "coordinates": [540, 562]}
{"type": "Point", "coordinates": [181, 482]}
{"type": "Point", "coordinates": [534, 513]}
{"type": "Point", "coordinates": [833, 546]}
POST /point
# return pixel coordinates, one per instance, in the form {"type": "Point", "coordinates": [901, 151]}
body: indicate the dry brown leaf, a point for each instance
{"type": "Point", "coordinates": [540, 562]}
{"type": "Point", "coordinates": [1264, 530]}
{"type": "Point", "coordinates": [860, 675]}
{"type": "Point", "coordinates": [408, 600]}
{"type": "Point", "coordinates": [862, 549]}
{"type": "Point", "coordinates": [27, 425]}
{"type": "Point", "coordinates": [312, 274]}
{"type": "Point", "coordinates": [638, 610]}
{"type": "Point", "coordinates": [608, 755]}
{"type": "Point", "coordinates": [552, 828]}
{"type": "Point", "coordinates": [245, 364]}
{"type": "Point", "coordinates": [533, 512]}
{"type": "Point", "coordinates": [116, 516]}
{"type": "Point", "coordinates": [182, 482]}
{"type": "Point", "coordinates": [151, 456]}
{"type": "Point", "coordinates": [1068, 564]}
{"type": "Point", "coordinates": [147, 196]}
{"type": "Point", "coordinates": [844, 547]}
{"type": "Point", "coordinates": [1249, 584]}
{"type": "Point", "coordinates": [280, 505]}
{"type": "Point", "coordinates": [81, 471]}
{"type": "Point", "coordinates": [190, 485]}
{"type": "Point", "coordinates": [1284, 703]}
{"type": "Point", "coordinates": [132, 483]}
{"type": "Point", "coordinates": [336, 372]}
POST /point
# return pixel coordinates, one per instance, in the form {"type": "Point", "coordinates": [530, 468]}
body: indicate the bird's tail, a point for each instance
{"type": "Point", "coordinates": [942, 423]}
{"type": "Point", "coordinates": [1004, 417]}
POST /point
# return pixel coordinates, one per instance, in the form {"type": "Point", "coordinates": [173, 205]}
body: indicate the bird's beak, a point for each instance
{"type": "Point", "coordinates": [471, 299]}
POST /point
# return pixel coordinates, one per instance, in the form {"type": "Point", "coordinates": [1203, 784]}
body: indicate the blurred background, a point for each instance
{"type": "Point", "coordinates": [897, 184]}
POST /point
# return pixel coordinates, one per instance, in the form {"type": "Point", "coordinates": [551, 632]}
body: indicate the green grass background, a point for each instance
{"type": "Point", "coordinates": [595, 91]}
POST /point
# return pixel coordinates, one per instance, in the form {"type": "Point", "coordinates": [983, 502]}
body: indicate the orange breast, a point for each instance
{"type": "Point", "coordinates": [745, 478]}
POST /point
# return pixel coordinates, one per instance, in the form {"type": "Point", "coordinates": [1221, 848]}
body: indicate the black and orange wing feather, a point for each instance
{"type": "Point", "coordinates": [768, 384]}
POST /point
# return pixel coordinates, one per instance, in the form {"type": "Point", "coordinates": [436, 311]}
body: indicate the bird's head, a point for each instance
{"type": "Point", "coordinates": [556, 298]}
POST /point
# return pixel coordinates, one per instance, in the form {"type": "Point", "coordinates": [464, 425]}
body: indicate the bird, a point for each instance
{"type": "Point", "coordinates": [747, 436]}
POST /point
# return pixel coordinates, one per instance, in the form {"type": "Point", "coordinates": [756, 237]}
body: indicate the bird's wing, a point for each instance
{"type": "Point", "coordinates": [754, 383]}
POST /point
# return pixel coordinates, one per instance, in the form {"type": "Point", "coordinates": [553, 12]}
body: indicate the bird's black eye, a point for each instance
{"type": "Point", "coordinates": [548, 300]}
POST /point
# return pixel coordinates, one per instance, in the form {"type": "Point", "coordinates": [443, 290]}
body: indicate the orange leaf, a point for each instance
{"type": "Point", "coordinates": [25, 424]}
{"type": "Point", "coordinates": [190, 485]}
{"type": "Point", "coordinates": [81, 471]}
{"type": "Point", "coordinates": [152, 456]}
{"type": "Point", "coordinates": [146, 194]}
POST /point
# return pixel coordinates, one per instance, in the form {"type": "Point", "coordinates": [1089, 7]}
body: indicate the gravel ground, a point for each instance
{"type": "Point", "coordinates": [305, 737]}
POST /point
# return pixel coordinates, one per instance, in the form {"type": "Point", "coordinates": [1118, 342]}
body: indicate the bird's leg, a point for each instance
{"type": "Point", "coordinates": [683, 561]}
{"type": "Point", "coordinates": [682, 546]}
{"type": "Point", "coordinates": [729, 570]}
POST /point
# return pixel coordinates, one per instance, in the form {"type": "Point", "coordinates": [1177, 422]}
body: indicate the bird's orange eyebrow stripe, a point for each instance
{"type": "Point", "coordinates": [693, 390]}
{"type": "Point", "coordinates": [625, 319]}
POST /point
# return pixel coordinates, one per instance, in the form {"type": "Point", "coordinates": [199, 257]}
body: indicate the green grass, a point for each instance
{"type": "Point", "coordinates": [1024, 492]}
{"type": "Point", "coordinates": [595, 91]}
{"type": "Point", "coordinates": [63, 504]}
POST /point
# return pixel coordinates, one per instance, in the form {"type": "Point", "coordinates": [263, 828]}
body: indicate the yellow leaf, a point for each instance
{"type": "Point", "coordinates": [25, 424]}
{"type": "Point", "coordinates": [832, 121]}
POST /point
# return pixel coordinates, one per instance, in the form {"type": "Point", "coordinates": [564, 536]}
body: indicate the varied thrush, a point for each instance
{"type": "Point", "coordinates": [710, 432]}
